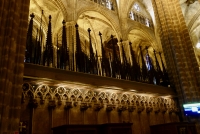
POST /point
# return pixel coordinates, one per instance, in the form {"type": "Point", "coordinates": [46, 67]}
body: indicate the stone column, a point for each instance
{"type": "Point", "coordinates": [13, 30]}
{"type": "Point", "coordinates": [178, 50]}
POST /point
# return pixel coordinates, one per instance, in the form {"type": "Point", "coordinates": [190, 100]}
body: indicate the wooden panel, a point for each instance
{"type": "Point", "coordinates": [111, 128]}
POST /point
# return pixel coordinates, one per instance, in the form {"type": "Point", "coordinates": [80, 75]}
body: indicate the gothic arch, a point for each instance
{"type": "Point", "coordinates": [147, 35]}
{"type": "Point", "coordinates": [131, 5]}
{"type": "Point", "coordinates": [113, 22]}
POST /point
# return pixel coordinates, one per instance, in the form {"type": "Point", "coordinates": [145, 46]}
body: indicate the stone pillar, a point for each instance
{"type": "Point", "coordinates": [13, 30]}
{"type": "Point", "coordinates": [178, 50]}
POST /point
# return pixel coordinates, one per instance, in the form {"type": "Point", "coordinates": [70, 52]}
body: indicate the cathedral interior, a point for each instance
{"type": "Point", "coordinates": [89, 62]}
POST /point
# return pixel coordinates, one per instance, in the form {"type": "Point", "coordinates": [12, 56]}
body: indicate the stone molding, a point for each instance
{"type": "Point", "coordinates": [97, 100]}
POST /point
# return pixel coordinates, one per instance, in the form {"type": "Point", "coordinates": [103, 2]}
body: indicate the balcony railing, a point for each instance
{"type": "Point", "coordinates": [108, 64]}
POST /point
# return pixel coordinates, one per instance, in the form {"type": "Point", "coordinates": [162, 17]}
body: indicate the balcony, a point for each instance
{"type": "Point", "coordinates": [40, 75]}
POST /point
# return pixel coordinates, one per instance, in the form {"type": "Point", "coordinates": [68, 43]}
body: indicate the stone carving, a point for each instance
{"type": "Point", "coordinates": [110, 108]}
{"type": "Point", "coordinates": [149, 109]}
{"type": "Point", "coordinates": [131, 108]}
{"type": "Point", "coordinates": [52, 104]}
{"type": "Point", "coordinates": [156, 109]}
{"type": "Point", "coordinates": [140, 109]}
{"type": "Point", "coordinates": [84, 106]}
{"type": "Point", "coordinates": [87, 98]}
{"type": "Point", "coordinates": [68, 105]}
{"type": "Point", "coordinates": [163, 108]}
{"type": "Point", "coordinates": [98, 106]}
{"type": "Point", "coordinates": [42, 101]}
{"type": "Point", "coordinates": [121, 108]}
{"type": "Point", "coordinates": [170, 110]}
{"type": "Point", "coordinates": [59, 102]}
{"type": "Point", "coordinates": [176, 110]}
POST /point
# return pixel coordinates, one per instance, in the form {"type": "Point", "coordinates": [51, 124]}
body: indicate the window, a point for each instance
{"type": "Point", "coordinates": [132, 15]}
{"type": "Point", "coordinates": [108, 4]}
{"type": "Point", "coordinates": [148, 62]}
{"type": "Point", "coordinates": [147, 22]}
{"type": "Point", "coordinates": [136, 6]}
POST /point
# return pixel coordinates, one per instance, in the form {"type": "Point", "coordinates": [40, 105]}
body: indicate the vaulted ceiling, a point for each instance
{"type": "Point", "coordinates": [191, 13]}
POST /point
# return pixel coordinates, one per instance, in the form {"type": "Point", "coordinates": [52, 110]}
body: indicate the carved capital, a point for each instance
{"type": "Point", "coordinates": [140, 109]}
{"type": "Point", "coordinates": [75, 103]}
{"type": "Point", "coordinates": [170, 110]}
{"type": "Point", "coordinates": [176, 110]}
{"type": "Point", "coordinates": [42, 101]}
{"type": "Point", "coordinates": [163, 110]}
{"type": "Point", "coordinates": [68, 105]}
{"type": "Point", "coordinates": [131, 108]}
{"type": "Point", "coordinates": [121, 108]}
{"type": "Point", "coordinates": [33, 103]}
{"type": "Point", "coordinates": [84, 106]}
{"type": "Point", "coordinates": [59, 102]}
{"type": "Point", "coordinates": [110, 108]}
{"type": "Point", "coordinates": [98, 106]}
{"type": "Point", "coordinates": [52, 104]}
{"type": "Point", "coordinates": [156, 109]}
{"type": "Point", "coordinates": [149, 109]}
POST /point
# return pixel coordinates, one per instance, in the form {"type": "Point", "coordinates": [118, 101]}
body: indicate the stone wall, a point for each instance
{"type": "Point", "coordinates": [44, 107]}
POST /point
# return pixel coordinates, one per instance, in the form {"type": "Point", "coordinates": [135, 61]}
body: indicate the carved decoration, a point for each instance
{"type": "Point", "coordinates": [59, 102]}
{"type": "Point", "coordinates": [131, 108]}
{"type": "Point", "coordinates": [98, 106]}
{"type": "Point", "coordinates": [170, 110]}
{"type": "Point", "coordinates": [68, 105]}
{"type": "Point", "coordinates": [149, 109]}
{"type": "Point", "coordinates": [52, 104]}
{"type": "Point", "coordinates": [88, 98]}
{"type": "Point", "coordinates": [84, 106]}
{"type": "Point", "coordinates": [140, 109]}
{"type": "Point", "coordinates": [121, 108]}
{"type": "Point", "coordinates": [110, 108]}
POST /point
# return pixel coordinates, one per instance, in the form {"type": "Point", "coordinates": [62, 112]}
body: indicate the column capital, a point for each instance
{"type": "Point", "coordinates": [70, 23]}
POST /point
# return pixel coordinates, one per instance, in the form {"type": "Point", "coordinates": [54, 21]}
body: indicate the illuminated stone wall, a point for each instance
{"type": "Point", "coordinates": [51, 106]}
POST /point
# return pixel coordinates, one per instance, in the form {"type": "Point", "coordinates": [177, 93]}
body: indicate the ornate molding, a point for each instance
{"type": "Point", "coordinates": [98, 106]}
{"type": "Point", "coordinates": [109, 108]}
{"type": "Point", "coordinates": [121, 108]}
{"type": "Point", "coordinates": [149, 109]}
{"type": "Point", "coordinates": [52, 104]}
{"type": "Point", "coordinates": [86, 98]}
{"type": "Point", "coordinates": [68, 105]}
{"type": "Point", "coordinates": [140, 109]}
